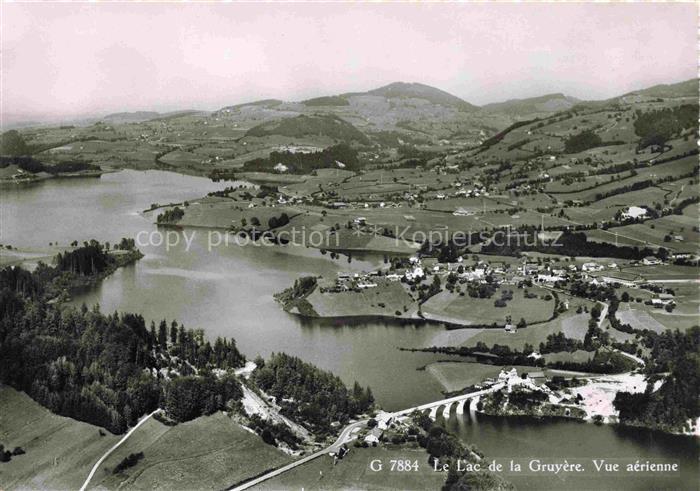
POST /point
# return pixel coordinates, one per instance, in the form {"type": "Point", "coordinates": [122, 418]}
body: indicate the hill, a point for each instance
{"type": "Point", "coordinates": [689, 88]}
{"type": "Point", "coordinates": [130, 117]}
{"type": "Point", "coordinates": [60, 450]}
{"type": "Point", "coordinates": [261, 103]}
{"type": "Point", "coordinates": [334, 100]}
{"type": "Point", "coordinates": [549, 103]}
{"type": "Point", "coordinates": [316, 124]}
{"type": "Point", "coordinates": [403, 90]}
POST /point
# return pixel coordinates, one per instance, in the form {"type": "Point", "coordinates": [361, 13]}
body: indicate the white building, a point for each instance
{"type": "Point", "coordinates": [591, 267]}
{"type": "Point", "coordinates": [634, 212]}
{"type": "Point", "coordinates": [281, 168]}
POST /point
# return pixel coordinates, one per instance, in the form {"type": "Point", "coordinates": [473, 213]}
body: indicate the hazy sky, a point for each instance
{"type": "Point", "coordinates": [72, 59]}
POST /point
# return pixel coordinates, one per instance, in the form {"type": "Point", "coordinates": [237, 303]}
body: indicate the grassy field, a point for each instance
{"type": "Point", "coordinates": [60, 451]}
{"type": "Point", "coordinates": [211, 452]}
{"type": "Point", "coordinates": [663, 272]}
{"type": "Point", "coordinates": [534, 334]}
{"type": "Point", "coordinates": [222, 213]}
{"type": "Point", "coordinates": [654, 231]}
{"type": "Point", "coordinates": [638, 318]}
{"type": "Point", "coordinates": [452, 307]}
{"type": "Point", "coordinates": [575, 326]}
{"type": "Point", "coordinates": [578, 356]}
{"type": "Point", "coordinates": [353, 472]}
{"type": "Point", "coordinates": [392, 295]}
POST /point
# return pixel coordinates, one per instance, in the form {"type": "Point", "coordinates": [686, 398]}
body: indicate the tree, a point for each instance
{"type": "Point", "coordinates": [163, 333]}
{"type": "Point", "coordinates": [12, 144]}
{"type": "Point", "coordinates": [173, 333]}
{"type": "Point", "coordinates": [582, 141]}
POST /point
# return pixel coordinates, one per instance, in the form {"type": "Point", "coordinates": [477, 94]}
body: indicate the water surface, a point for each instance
{"type": "Point", "coordinates": [227, 291]}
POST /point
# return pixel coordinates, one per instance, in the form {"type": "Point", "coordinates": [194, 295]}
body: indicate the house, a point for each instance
{"type": "Point", "coordinates": [416, 273]}
{"type": "Point", "coordinates": [662, 300]}
{"type": "Point", "coordinates": [511, 328]}
{"type": "Point", "coordinates": [360, 220]}
{"type": "Point", "coordinates": [373, 436]}
{"type": "Point", "coordinates": [612, 280]}
{"type": "Point", "coordinates": [364, 286]}
{"type": "Point", "coordinates": [651, 261]}
{"type": "Point", "coordinates": [588, 267]}
{"type": "Point", "coordinates": [281, 168]}
{"type": "Point", "coordinates": [463, 212]}
{"type": "Point", "coordinates": [634, 212]}
{"type": "Point", "coordinates": [528, 269]}
{"type": "Point", "coordinates": [549, 278]}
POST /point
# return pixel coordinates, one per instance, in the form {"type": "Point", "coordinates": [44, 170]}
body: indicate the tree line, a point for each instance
{"type": "Point", "coordinates": [304, 163]}
{"type": "Point", "coordinates": [308, 394]}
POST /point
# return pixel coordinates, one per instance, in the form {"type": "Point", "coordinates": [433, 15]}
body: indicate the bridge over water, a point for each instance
{"type": "Point", "coordinates": [459, 400]}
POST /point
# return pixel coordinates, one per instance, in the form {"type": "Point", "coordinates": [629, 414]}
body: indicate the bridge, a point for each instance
{"type": "Point", "coordinates": [349, 432]}
{"type": "Point", "coordinates": [459, 400]}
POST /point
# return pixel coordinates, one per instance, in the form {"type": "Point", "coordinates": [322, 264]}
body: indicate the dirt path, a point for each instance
{"type": "Point", "coordinates": [116, 445]}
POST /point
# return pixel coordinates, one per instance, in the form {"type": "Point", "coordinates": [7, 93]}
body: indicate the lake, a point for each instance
{"type": "Point", "coordinates": [227, 291]}
{"type": "Point", "coordinates": [522, 439]}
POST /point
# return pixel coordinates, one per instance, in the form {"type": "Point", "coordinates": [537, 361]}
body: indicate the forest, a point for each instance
{"type": "Point", "coordinates": [34, 166]}
{"type": "Point", "coordinates": [678, 399]}
{"type": "Point", "coordinates": [304, 163]}
{"type": "Point", "coordinates": [582, 141]}
{"type": "Point", "coordinates": [657, 127]}
{"type": "Point", "coordinates": [308, 394]}
{"type": "Point", "coordinates": [571, 244]}
{"type": "Point", "coordinates": [106, 369]}
{"type": "Point", "coordinates": [170, 216]}
{"type": "Point", "coordinates": [327, 125]}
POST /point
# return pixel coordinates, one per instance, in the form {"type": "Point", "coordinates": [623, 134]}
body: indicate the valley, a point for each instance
{"type": "Point", "coordinates": [352, 255]}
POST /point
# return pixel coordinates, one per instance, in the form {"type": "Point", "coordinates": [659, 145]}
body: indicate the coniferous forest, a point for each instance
{"type": "Point", "coordinates": [308, 394]}
{"type": "Point", "coordinates": [107, 369]}
{"type": "Point", "coordinates": [111, 369]}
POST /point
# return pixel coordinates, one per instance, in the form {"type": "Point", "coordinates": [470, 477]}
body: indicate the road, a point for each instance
{"type": "Point", "coordinates": [343, 438]}
{"type": "Point", "coordinates": [603, 314]}
{"type": "Point", "coordinates": [631, 357]}
{"type": "Point", "coordinates": [677, 280]}
{"type": "Point", "coordinates": [271, 412]}
{"type": "Point", "coordinates": [116, 445]}
{"type": "Point", "coordinates": [346, 435]}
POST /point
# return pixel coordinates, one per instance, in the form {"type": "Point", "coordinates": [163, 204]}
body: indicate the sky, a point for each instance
{"type": "Point", "coordinates": [68, 60]}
